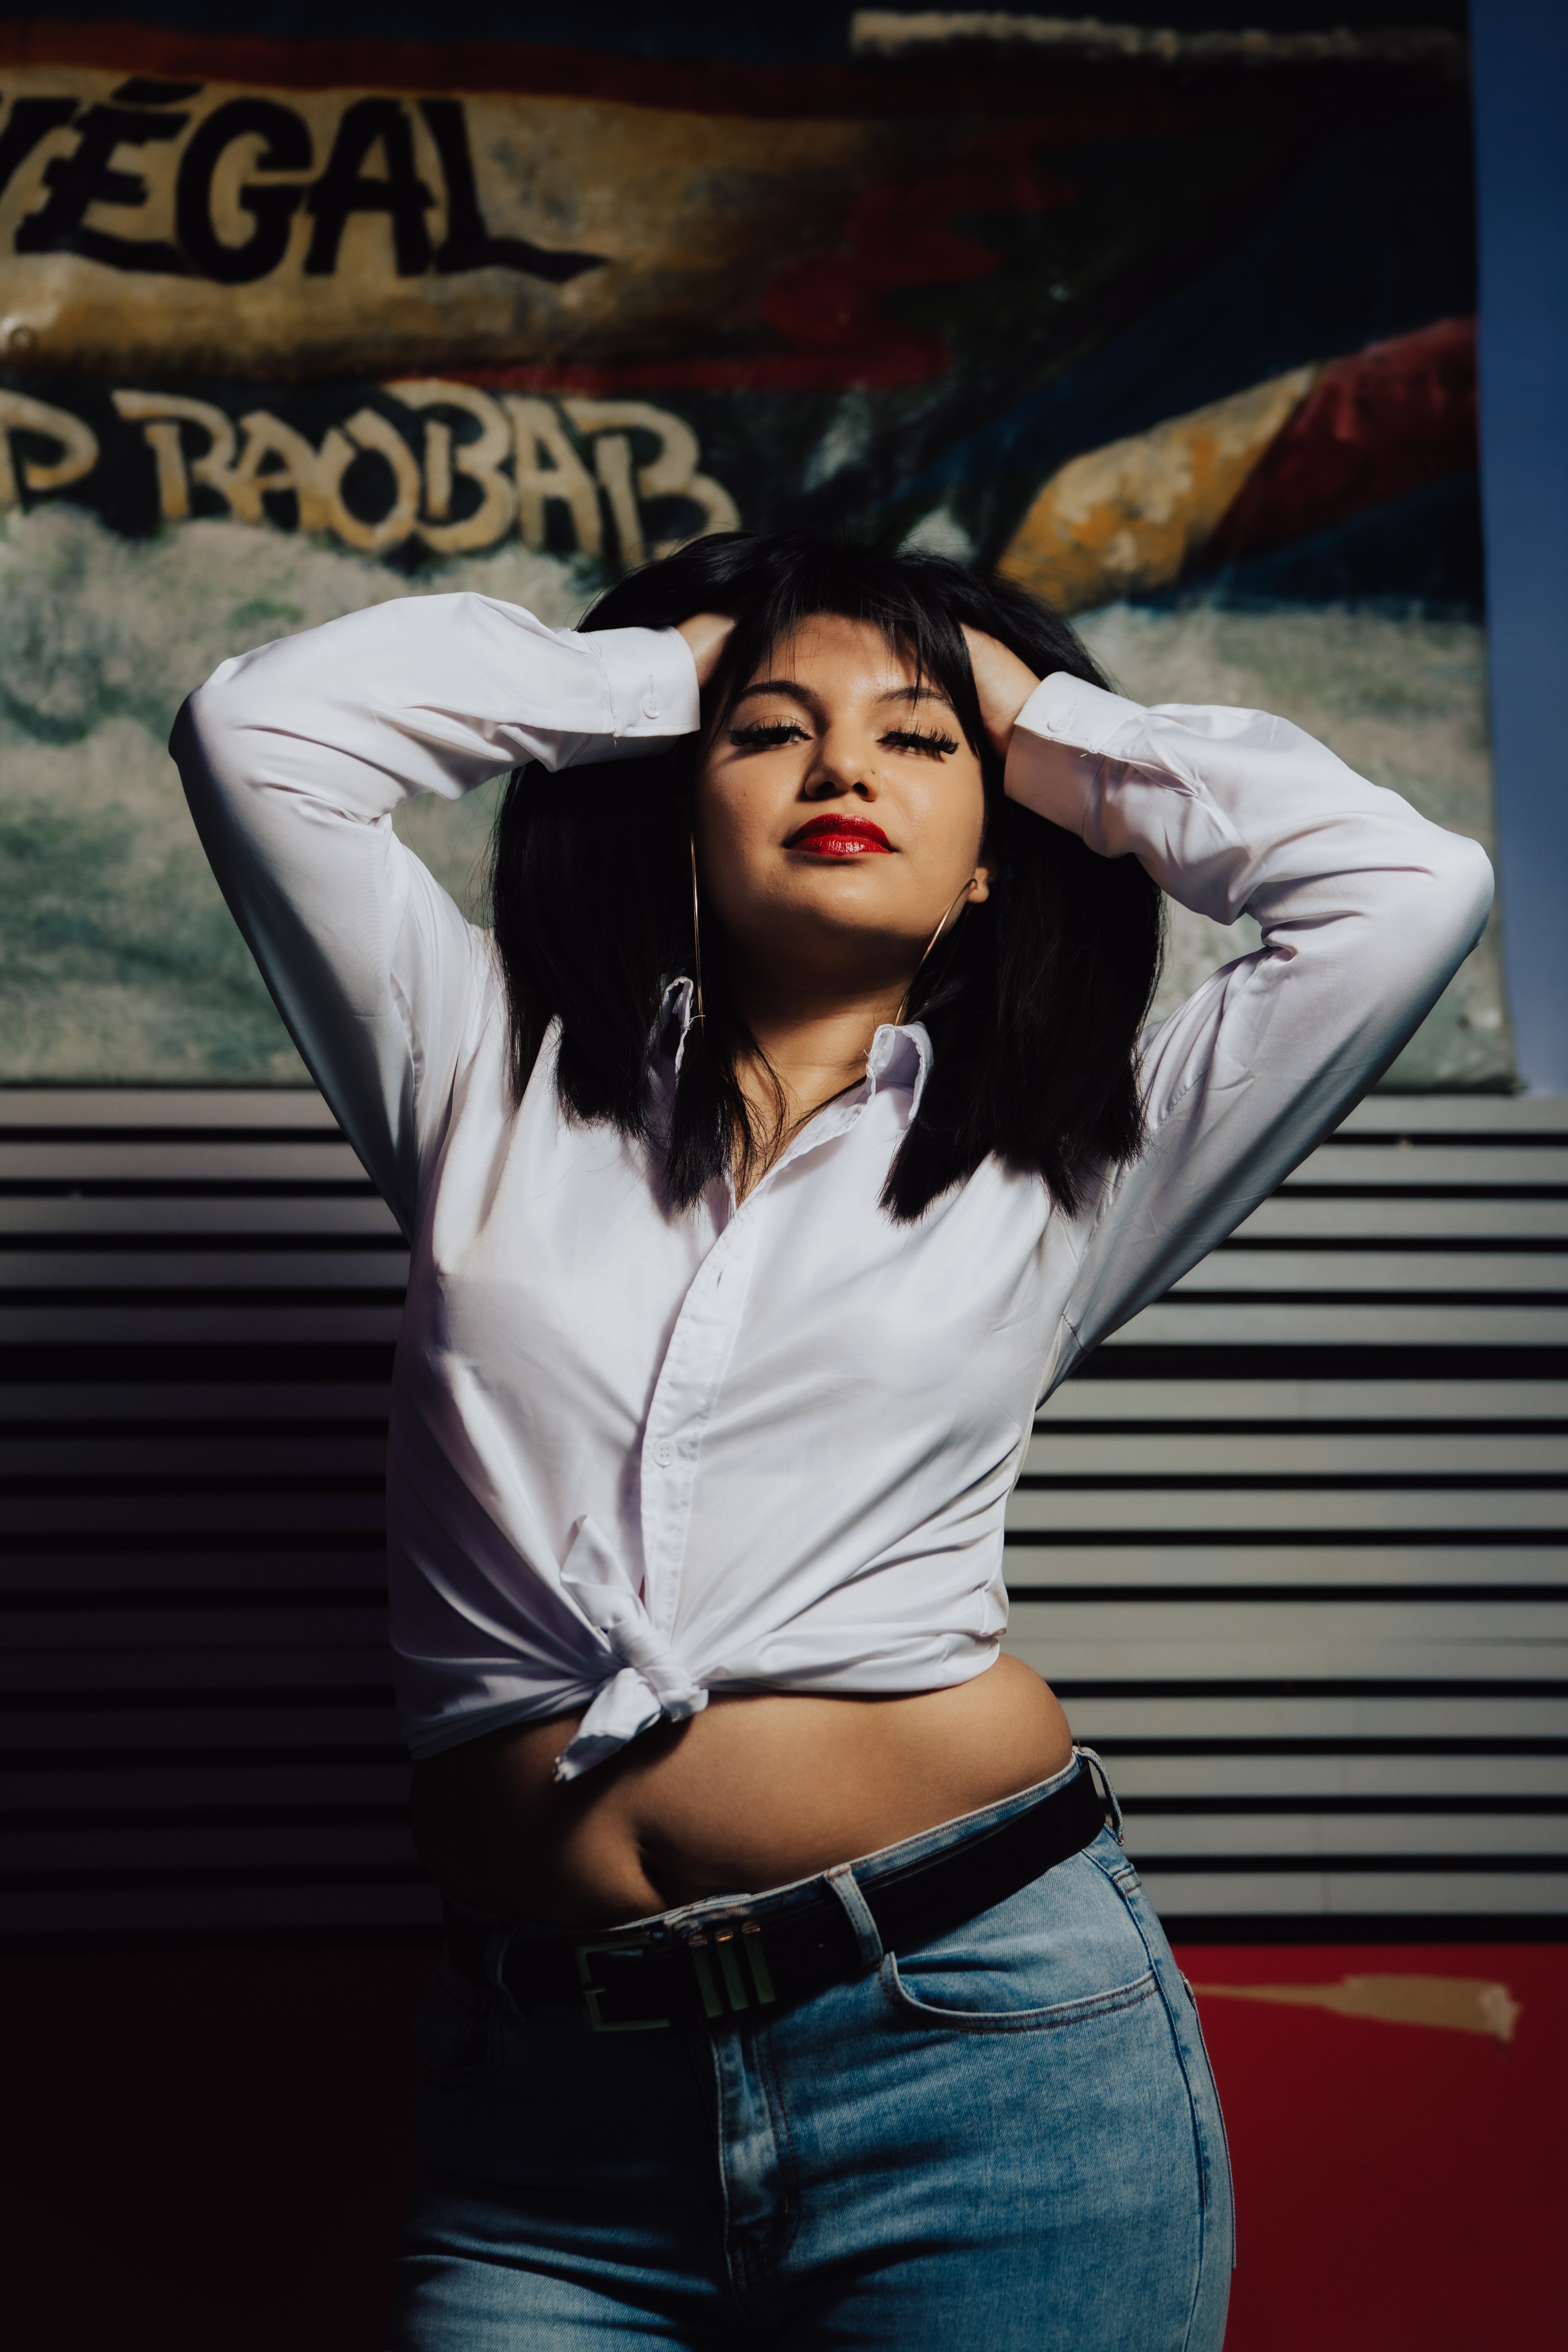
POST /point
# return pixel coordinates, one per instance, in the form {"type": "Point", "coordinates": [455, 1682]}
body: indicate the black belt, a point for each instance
{"type": "Point", "coordinates": [721, 1962]}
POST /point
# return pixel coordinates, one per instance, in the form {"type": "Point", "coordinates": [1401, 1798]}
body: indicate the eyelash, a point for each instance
{"type": "Point", "coordinates": [910, 739]}
{"type": "Point", "coordinates": [764, 737]}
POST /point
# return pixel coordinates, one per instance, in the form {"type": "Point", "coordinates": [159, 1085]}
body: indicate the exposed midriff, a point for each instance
{"type": "Point", "coordinates": [752, 1793]}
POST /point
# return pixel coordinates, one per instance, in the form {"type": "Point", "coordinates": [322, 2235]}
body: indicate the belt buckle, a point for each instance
{"type": "Point", "coordinates": [726, 1946]}
{"type": "Point", "coordinates": [592, 1994]}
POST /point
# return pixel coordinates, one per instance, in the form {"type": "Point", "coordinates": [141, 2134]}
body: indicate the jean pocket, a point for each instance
{"type": "Point", "coordinates": [457, 2033]}
{"type": "Point", "coordinates": [961, 2016]}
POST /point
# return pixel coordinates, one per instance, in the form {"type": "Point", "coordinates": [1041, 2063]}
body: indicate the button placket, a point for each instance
{"type": "Point", "coordinates": [684, 1396]}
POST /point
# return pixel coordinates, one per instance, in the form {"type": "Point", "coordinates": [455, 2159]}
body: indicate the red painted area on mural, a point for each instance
{"type": "Point", "coordinates": [829, 311]}
{"type": "Point", "coordinates": [1399, 2187]}
{"type": "Point", "coordinates": [1374, 427]}
{"type": "Point", "coordinates": [904, 233]}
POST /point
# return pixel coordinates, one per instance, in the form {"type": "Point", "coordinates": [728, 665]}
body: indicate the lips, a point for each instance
{"type": "Point", "coordinates": [841, 837]}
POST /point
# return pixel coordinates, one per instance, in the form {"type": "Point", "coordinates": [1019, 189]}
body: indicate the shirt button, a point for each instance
{"type": "Point", "coordinates": [664, 1453]}
{"type": "Point", "coordinates": [650, 701]}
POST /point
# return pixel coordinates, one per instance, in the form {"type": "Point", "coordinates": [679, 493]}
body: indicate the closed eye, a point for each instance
{"type": "Point", "coordinates": [910, 739]}
{"type": "Point", "coordinates": [765, 734]}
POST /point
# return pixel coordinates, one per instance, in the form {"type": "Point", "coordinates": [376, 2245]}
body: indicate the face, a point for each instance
{"type": "Point", "coordinates": [839, 812]}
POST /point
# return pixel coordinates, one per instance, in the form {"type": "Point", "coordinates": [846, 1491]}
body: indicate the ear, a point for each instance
{"type": "Point", "coordinates": [980, 886]}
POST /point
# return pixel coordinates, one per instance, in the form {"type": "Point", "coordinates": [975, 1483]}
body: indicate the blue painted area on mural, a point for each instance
{"type": "Point", "coordinates": [1376, 238]}
{"type": "Point", "coordinates": [1418, 554]}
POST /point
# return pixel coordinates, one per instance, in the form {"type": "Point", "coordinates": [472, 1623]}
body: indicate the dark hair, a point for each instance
{"type": "Point", "coordinates": [1033, 1002]}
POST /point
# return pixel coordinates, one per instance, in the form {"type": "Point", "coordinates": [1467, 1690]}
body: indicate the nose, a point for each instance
{"type": "Point", "coordinates": [845, 764]}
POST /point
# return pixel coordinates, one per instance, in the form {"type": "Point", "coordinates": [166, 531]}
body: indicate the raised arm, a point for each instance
{"type": "Point", "coordinates": [293, 758]}
{"type": "Point", "coordinates": [1366, 912]}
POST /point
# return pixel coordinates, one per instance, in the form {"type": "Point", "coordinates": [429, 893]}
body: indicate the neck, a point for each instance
{"type": "Point", "coordinates": [815, 1037]}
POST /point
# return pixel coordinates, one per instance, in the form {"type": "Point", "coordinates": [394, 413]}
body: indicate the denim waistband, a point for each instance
{"type": "Point", "coordinates": [867, 1869]}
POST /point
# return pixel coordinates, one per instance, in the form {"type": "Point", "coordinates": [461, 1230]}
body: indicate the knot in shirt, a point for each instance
{"type": "Point", "coordinates": [651, 1681]}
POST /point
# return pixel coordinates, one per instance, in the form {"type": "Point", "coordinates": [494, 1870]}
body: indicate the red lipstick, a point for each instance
{"type": "Point", "coordinates": [841, 837]}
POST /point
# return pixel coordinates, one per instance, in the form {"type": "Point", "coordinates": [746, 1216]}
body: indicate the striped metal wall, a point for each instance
{"type": "Point", "coordinates": [1291, 1548]}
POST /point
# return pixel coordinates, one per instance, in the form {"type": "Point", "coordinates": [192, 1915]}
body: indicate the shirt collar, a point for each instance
{"type": "Point", "coordinates": [900, 1054]}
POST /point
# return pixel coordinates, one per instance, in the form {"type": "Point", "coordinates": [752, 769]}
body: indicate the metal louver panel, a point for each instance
{"type": "Point", "coordinates": [1291, 1548]}
{"type": "Point", "coordinates": [197, 1312]}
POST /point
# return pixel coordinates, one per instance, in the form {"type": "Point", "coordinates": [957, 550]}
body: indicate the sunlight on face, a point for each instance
{"type": "Point", "coordinates": [839, 812]}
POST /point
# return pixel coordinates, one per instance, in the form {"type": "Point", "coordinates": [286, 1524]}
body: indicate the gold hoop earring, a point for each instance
{"type": "Point", "coordinates": [942, 925]}
{"type": "Point", "coordinates": [697, 930]}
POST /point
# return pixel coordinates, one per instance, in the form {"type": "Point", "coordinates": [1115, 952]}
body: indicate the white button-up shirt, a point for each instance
{"type": "Point", "coordinates": [635, 1457]}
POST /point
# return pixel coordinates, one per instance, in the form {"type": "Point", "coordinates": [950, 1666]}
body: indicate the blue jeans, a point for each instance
{"type": "Point", "coordinates": [1008, 2138]}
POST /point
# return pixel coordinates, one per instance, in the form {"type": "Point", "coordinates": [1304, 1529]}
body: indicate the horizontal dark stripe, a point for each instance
{"type": "Point", "coordinates": [143, 1134]}
{"type": "Point", "coordinates": [1305, 1429]}
{"type": "Point", "coordinates": [150, 1881]}
{"type": "Point", "coordinates": [206, 1817]}
{"type": "Point", "coordinates": [1365, 1930]}
{"type": "Point", "coordinates": [187, 1187]}
{"type": "Point", "coordinates": [276, 1757]}
{"type": "Point", "coordinates": [1446, 1139]}
{"type": "Point", "coordinates": [1443, 1865]}
{"type": "Point", "coordinates": [69, 1428]}
{"type": "Point", "coordinates": [1251, 1360]}
{"type": "Point", "coordinates": [1397, 1245]}
{"type": "Point", "coordinates": [78, 1820]}
{"type": "Point", "coordinates": [1501, 1190]}
{"type": "Point", "coordinates": [293, 1696]}
{"type": "Point", "coordinates": [1112, 1743]}
{"type": "Point", "coordinates": [133, 1544]}
{"type": "Point", "coordinates": [202, 1297]}
{"type": "Point", "coordinates": [1434, 1808]}
{"type": "Point", "coordinates": [106, 1941]}
{"type": "Point", "coordinates": [140, 1242]}
{"type": "Point", "coordinates": [232, 1482]}
{"type": "Point", "coordinates": [1435, 1299]}
{"type": "Point", "coordinates": [202, 1597]}
{"type": "Point", "coordinates": [1307, 1538]}
{"type": "Point", "coordinates": [1337, 1596]}
{"type": "Point", "coordinates": [1341, 1686]}
{"type": "Point", "coordinates": [203, 1362]}
{"type": "Point", "coordinates": [1291, 1482]}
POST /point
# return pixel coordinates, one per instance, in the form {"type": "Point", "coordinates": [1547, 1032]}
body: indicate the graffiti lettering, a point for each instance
{"type": "Point", "coordinates": [670, 472]}
{"type": "Point", "coordinates": [286, 147]}
{"type": "Point", "coordinates": [468, 244]}
{"type": "Point", "coordinates": [344, 188]}
{"type": "Point", "coordinates": [76, 441]}
{"type": "Point", "coordinates": [480, 459]}
{"type": "Point", "coordinates": [142, 113]}
{"type": "Point", "coordinates": [487, 464]}
{"type": "Point", "coordinates": [32, 119]}
{"type": "Point", "coordinates": [87, 177]}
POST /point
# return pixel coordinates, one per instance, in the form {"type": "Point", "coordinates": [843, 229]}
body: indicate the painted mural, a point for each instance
{"type": "Point", "coordinates": [1174, 326]}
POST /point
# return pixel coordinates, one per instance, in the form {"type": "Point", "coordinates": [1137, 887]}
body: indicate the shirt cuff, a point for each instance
{"type": "Point", "coordinates": [1060, 738]}
{"type": "Point", "coordinates": [652, 679]}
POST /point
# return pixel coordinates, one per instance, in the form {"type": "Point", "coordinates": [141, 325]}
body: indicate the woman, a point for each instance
{"type": "Point", "coordinates": [788, 1141]}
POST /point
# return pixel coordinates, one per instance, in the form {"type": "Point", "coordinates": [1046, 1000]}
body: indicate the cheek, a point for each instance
{"type": "Point", "coordinates": [953, 822]}
{"type": "Point", "coordinates": [737, 829]}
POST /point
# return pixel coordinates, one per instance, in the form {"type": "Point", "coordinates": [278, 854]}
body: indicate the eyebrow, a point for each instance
{"type": "Point", "coordinates": [809, 701]}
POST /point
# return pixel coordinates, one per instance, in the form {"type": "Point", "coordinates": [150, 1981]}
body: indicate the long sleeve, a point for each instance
{"type": "Point", "coordinates": [293, 758]}
{"type": "Point", "coordinates": [1366, 912]}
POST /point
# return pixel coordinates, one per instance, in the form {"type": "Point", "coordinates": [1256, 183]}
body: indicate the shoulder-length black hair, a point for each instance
{"type": "Point", "coordinates": [1033, 1001]}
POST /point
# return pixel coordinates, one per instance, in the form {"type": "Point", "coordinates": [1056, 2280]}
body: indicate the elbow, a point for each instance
{"type": "Point", "coordinates": [206, 729]}
{"type": "Point", "coordinates": [1463, 888]}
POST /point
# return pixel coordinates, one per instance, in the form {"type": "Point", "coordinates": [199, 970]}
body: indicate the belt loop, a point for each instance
{"type": "Point", "coordinates": [841, 1881]}
{"type": "Point", "coordinates": [1101, 1780]}
{"type": "Point", "coordinates": [498, 1943]}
